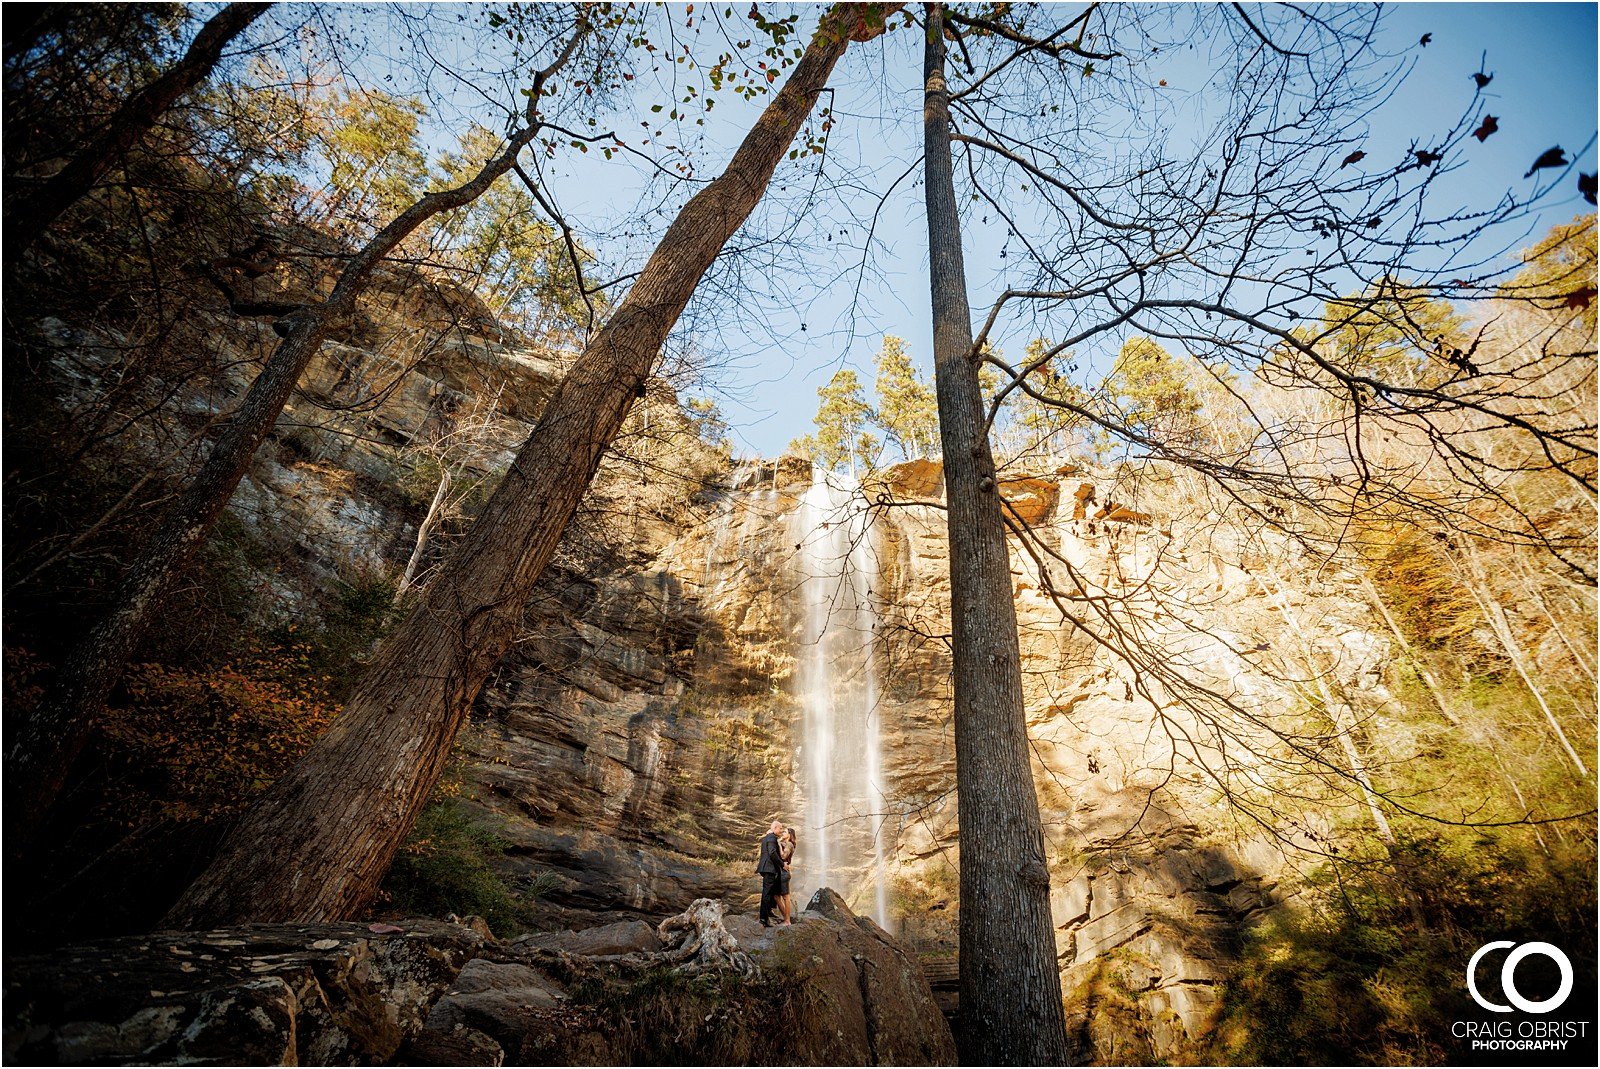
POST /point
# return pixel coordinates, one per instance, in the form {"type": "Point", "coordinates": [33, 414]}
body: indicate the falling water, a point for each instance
{"type": "Point", "coordinates": [839, 690]}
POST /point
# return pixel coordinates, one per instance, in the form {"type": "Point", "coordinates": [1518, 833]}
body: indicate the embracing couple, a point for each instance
{"type": "Point", "coordinates": [777, 847]}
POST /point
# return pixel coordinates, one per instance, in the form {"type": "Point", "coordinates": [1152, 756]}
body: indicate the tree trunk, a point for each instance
{"type": "Point", "coordinates": [1339, 711]}
{"type": "Point", "coordinates": [1477, 585]}
{"type": "Point", "coordinates": [1532, 587]}
{"type": "Point", "coordinates": [424, 530]}
{"type": "Point", "coordinates": [33, 211]}
{"type": "Point", "coordinates": [41, 750]}
{"type": "Point", "coordinates": [1411, 655]}
{"type": "Point", "coordinates": [316, 845]}
{"type": "Point", "coordinates": [1011, 1011]}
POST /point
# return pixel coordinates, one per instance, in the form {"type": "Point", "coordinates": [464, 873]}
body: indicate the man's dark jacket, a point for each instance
{"type": "Point", "coordinates": [771, 862]}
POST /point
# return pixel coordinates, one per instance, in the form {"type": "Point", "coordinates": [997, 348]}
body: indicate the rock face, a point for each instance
{"type": "Point", "coordinates": [639, 743]}
{"type": "Point", "coordinates": [332, 994]}
{"type": "Point", "coordinates": [831, 990]}
{"type": "Point", "coordinates": [646, 727]}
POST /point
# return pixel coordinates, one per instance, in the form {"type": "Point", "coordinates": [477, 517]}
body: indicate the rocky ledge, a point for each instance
{"type": "Point", "coordinates": [696, 989]}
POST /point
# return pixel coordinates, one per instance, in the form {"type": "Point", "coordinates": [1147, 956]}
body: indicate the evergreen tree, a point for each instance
{"type": "Point", "coordinates": [907, 411]}
{"type": "Point", "coordinates": [1388, 333]}
{"type": "Point", "coordinates": [842, 438]}
{"type": "Point", "coordinates": [708, 422]}
{"type": "Point", "coordinates": [1047, 428]}
{"type": "Point", "coordinates": [1560, 271]}
{"type": "Point", "coordinates": [1153, 392]}
{"type": "Point", "coordinates": [376, 167]}
{"type": "Point", "coordinates": [502, 239]}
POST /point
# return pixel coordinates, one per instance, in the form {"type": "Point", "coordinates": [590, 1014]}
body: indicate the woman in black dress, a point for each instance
{"type": "Point", "coordinates": [786, 843]}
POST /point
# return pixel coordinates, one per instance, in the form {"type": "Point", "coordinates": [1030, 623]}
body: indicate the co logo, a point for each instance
{"type": "Point", "coordinates": [1508, 973]}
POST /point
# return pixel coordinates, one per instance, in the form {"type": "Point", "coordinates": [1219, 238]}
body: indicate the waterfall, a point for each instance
{"type": "Point", "coordinates": [842, 838]}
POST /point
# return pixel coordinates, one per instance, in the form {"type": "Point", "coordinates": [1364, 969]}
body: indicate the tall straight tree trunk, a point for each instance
{"type": "Point", "coordinates": [1476, 580]}
{"type": "Point", "coordinates": [316, 845]}
{"type": "Point", "coordinates": [32, 213]}
{"type": "Point", "coordinates": [1340, 712]}
{"type": "Point", "coordinates": [1011, 1011]}
{"type": "Point", "coordinates": [41, 750]}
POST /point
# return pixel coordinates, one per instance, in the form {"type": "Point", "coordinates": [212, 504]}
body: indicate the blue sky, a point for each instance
{"type": "Point", "coordinates": [800, 312]}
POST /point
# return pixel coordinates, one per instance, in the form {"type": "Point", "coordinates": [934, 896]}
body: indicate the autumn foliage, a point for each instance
{"type": "Point", "coordinates": [198, 743]}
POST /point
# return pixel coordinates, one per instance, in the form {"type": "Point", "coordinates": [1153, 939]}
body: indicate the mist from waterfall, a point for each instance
{"type": "Point", "coordinates": [841, 843]}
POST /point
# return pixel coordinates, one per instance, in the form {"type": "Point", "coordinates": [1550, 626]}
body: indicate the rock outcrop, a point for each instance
{"type": "Point", "coordinates": [833, 989]}
{"type": "Point", "coordinates": [326, 994]}
{"type": "Point", "coordinates": [640, 745]}
{"type": "Point", "coordinates": [645, 728]}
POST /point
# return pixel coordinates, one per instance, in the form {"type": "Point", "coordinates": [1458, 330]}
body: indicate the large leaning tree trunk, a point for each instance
{"type": "Point", "coordinates": [316, 844]}
{"type": "Point", "coordinates": [1011, 1010]}
{"type": "Point", "coordinates": [41, 750]}
{"type": "Point", "coordinates": [32, 212]}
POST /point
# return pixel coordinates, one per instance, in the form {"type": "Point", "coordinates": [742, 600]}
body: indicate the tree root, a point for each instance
{"type": "Point", "coordinates": [697, 941]}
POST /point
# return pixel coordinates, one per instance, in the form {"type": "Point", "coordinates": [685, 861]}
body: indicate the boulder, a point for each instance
{"type": "Point", "coordinates": [832, 989]}
{"type": "Point", "coordinates": [623, 937]}
{"type": "Point", "coordinates": [324, 994]}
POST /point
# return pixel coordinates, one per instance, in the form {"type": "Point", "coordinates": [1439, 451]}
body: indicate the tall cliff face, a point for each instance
{"type": "Point", "coordinates": [662, 704]}
{"type": "Point", "coordinates": [657, 718]}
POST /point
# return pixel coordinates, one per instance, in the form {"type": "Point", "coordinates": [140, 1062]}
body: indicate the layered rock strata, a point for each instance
{"type": "Point", "coordinates": [646, 726]}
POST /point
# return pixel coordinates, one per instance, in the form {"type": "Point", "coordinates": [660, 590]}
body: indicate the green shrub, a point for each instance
{"type": "Point", "coordinates": [338, 644]}
{"type": "Point", "coordinates": [448, 866]}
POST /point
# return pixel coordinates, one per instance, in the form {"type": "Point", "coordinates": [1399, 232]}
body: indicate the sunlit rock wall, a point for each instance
{"type": "Point", "coordinates": [1184, 678]}
{"type": "Point", "coordinates": [640, 739]}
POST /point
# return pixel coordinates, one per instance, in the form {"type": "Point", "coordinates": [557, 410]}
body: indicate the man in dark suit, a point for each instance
{"type": "Point", "coordinates": [769, 867]}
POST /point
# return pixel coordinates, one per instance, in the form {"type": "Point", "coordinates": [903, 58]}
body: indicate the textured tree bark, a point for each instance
{"type": "Point", "coordinates": [1010, 996]}
{"type": "Point", "coordinates": [40, 751]}
{"type": "Point", "coordinates": [32, 212]}
{"type": "Point", "coordinates": [316, 845]}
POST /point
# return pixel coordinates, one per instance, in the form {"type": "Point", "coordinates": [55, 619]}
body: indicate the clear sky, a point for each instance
{"type": "Point", "coordinates": [796, 310]}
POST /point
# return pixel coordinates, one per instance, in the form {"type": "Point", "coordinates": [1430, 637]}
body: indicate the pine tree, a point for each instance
{"type": "Point", "coordinates": [503, 240]}
{"type": "Point", "coordinates": [1153, 392]}
{"type": "Point", "coordinates": [1560, 271]}
{"type": "Point", "coordinates": [1389, 332]}
{"type": "Point", "coordinates": [842, 439]}
{"type": "Point", "coordinates": [376, 166]}
{"type": "Point", "coordinates": [907, 411]}
{"type": "Point", "coordinates": [708, 421]}
{"type": "Point", "coordinates": [1047, 428]}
